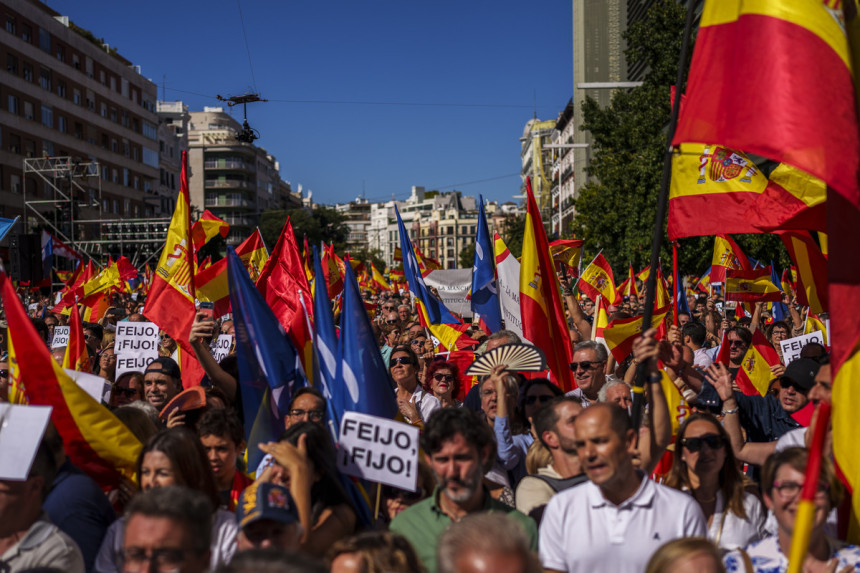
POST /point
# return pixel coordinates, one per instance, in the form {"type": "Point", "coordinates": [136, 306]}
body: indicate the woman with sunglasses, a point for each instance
{"type": "Point", "coordinates": [389, 338]}
{"type": "Point", "coordinates": [415, 404]}
{"type": "Point", "coordinates": [534, 394]}
{"type": "Point", "coordinates": [443, 380]}
{"type": "Point", "coordinates": [705, 466]}
{"type": "Point", "coordinates": [783, 477]}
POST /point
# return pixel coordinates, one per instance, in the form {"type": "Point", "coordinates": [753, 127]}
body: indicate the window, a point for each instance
{"type": "Point", "coordinates": [47, 148]}
{"type": "Point", "coordinates": [61, 89]}
{"type": "Point", "coordinates": [44, 40]}
{"type": "Point", "coordinates": [114, 146]}
{"type": "Point", "coordinates": [135, 153]}
{"type": "Point", "coordinates": [114, 176]}
{"type": "Point", "coordinates": [125, 181]}
{"type": "Point", "coordinates": [125, 148]}
{"type": "Point", "coordinates": [102, 76]}
{"type": "Point", "coordinates": [150, 157]}
{"type": "Point", "coordinates": [45, 79]}
{"type": "Point", "coordinates": [112, 83]}
{"type": "Point", "coordinates": [61, 53]}
{"type": "Point", "coordinates": [79, 131]}
{"type": "Point", "coordinates": [15, 146]}
{"type": "Point", "coordinates": [15, 183]}
{"type": "Point", "coordinates": [13, 104]}
{"type": "Point", "coordinates": [116, 206]}
{"type": "Point", "coordinates": [88, 65]}
{"type": "Point", "coordinates": [113, 114]}
{"type": "Point", "coordinates": [104, 173]}
{"type": "Point", "coordinates": [126, 206]}
{"type": "Point", "coordinates": [47, 116]}
{"type": "Point", "coordinates": [136, 184]}
{"type": "Point", "coordinates": [28, 72]}
{"type": "Point", "coordinates": [450, 253]}
{"type": "Point", "coordinates": [76, 61]}
{"type": "Point", "coordinates": [150, 131]}
{"type": "Point", "coordinates": [10, 25]}
{"type": "Point", "coordinates": [26, 33]}
{"type": "Point", "coordinates": [103, 110]}
{"type": "Point", "coordinates": [29, 148]}
{"type": "Point", "coordinates": [12, 64]}
{"type": "Point", "coordinates": [62, 124]}
{"type": "Point", "coordinates": [28, 110]}
{"type": "Point", "coordinates": [76, 96]}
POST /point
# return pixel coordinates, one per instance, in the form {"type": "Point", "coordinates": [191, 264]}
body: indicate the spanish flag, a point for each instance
{"type": "Point", "coordinates": [752, 286]}
{"type": "Point", "coordinates": [793, 199]}
{"type": "Point", "coordinates": [541, 307]}
{"type": "Point", "coordinates": [727, 255]}
{"type": "Point", "coordinates": [170, 303]}
{"type": "Point", "coordinates": [814, 323]}
{"type": "Point", "coordinates": [811, 270]}
{"type": "Point", "coordinates": [712, 179]}
{"type": "Point", "coordinates": [644, 274]}
{"type": "Point", "coordinates": [254, 254]}
{"type": "Point", "coordinates": [662, 298]}
{"type": "Point", "coordinates": [211, 282]}
{"type": "Point", "coordinates": [754, 374]}
{"type": "Point", "coordinates": [628, 287]}
{"type": "Point", "coordinates": [76, 357]}
{"type": "Point", "coordinates": [621, 333]}
{"type": "Point", "coordinates": [568, 252]}
{"type": "Point", "coordinates": [94, 439]}
{"type": "Point", "coordinates": [596, 280]}
{"type": "Point", "coordinates": [207, 228]}
{"type": "Point", "coordinates": [378, 280]}
{"type": "Point", "coordinates": [601, 320]}
{"type": "Point", "coordinates": [803, 85]}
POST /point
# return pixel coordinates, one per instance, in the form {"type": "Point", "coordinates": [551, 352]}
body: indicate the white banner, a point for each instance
{"type": "Point", "coordinates": [23, 428]}
{"type": "Point", "coordinates": [378, 449]}
{"type": "Point", "coordinates": [791, 347]}
{"type": "Point", "coordinates": [61, 336]}
{"type": "Point", "coordinates": [96, 386]}
{"type": "Point", "coordinates": [508, 271]}
{"type": "Point", "coordinates": [453, 286]}
{"type": "Point", "coordinates": [135, 347]}
{"type": "Point", "coordinates": [222, 346]}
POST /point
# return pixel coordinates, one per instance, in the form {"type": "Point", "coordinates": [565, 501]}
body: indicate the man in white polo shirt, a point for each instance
{"type": "Point", "coordinates": [620, 518]}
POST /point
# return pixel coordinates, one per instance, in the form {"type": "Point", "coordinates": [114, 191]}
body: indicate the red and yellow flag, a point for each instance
{"type": "Point", "coordinates": [77, 357]}
{"type": "Point", "coordinates": [207, 228]}
{"type": "Point", "coordinates": [601, 319]}
{"type": "Point", "coordinates": [793, 199]}
{"type": "Point", "coordinates": [644, 274]}
{"type": "Point", "coordinates": [170, 303]}
{"type": "Point", "coordinates": [727, 255]}
{"type": "Point", "coordinates": [596, 280]}
{"type": "Point", "coordinates": [378, 279]}
{"type": "Point", "coordinates": [754, 374]}
{"type": "Point", "coordinates": [541, 307]}
{"type": "Point", "coordinates": [621, 333]}
{"type": "Point", "coordinates": [253, 254]}
{"type": "Point", "coordinates": [628, 287]}
{"type": "Point", "coordinates": [662, 297]}
{"type": "Point", "coordinates": [752, 286]}
{"type": "Point", "coordinates": [94, 439]}
{"type": "Point", "coordinates": [811, 270]}
{"type": "Point", "coordinates": [568, 252]}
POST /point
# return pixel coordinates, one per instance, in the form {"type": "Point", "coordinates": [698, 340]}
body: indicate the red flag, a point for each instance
{"type": "Point", "coordinates": [206, 228]}
{"type": "Point", "coordinates": [811, 270]}
{"type": "Point", "coordinates": [76, 357]}
{"type": "Point", "coordinates": [752, 286]}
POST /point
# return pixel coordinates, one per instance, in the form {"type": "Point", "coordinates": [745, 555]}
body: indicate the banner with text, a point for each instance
{"type": "Point", "coordinates": [791, 347]}
{"type": "Point", "coordinates": [135, 347]}
{"type": "Point", "coordinates": [453, 286]}
{"type": "Point", "coordinates": [379, 450]}
{"type": "Point", "coordinates": [61, 336]}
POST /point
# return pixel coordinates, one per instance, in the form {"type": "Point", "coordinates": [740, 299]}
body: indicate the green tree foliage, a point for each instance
{"type": "Point", "coordinates": [369, 255]}
{"type": "Point", "coordinates": [615, 211]}
{"type": "Point", "coordinates": [320, 224]}
{"type": "Point", "coordinates": [467, 256]}
{"type": "Point", "coordinates": [512, 233]}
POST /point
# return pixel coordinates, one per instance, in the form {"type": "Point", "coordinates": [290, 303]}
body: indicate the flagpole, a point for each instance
{"type": "Point", "coordinates": [677, 284]}
{"type": "Point", "coordinates": [660, 216]}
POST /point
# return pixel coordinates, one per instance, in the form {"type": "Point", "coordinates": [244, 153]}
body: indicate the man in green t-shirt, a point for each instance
{"type": "Point", "coordinates": [460, 448]}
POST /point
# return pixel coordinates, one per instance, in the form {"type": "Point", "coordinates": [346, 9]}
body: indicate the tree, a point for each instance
{"type": "Point", "coordinates": [373, 255]}
{"type": "Point", "coordinates": [615, 211]}
{"type": "Point", "coordinates": [320, 224]}
{"type": "Point", "coordinates": [513, 229]}
{"type": "Point", "coordinates": [467, 256]}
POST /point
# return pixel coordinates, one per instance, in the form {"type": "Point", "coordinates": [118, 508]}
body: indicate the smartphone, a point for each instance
{"type": "Point", "coordinates": [207, 308]}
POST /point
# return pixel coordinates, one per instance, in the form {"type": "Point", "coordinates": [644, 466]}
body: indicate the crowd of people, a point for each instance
{"type": "Point", "coordinates": [514, 476]}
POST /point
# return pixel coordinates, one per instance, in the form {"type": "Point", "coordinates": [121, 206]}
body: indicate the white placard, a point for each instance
{"type": "Point", "coordinates": [21, 431]}
{"type": "Point", "coordinates": [791, 347]}
{"type": "Point", "coordinates": [509, 293]}
{"type": "Point", "coordinates": [96, 386]}
{"type": "Point", "coordinates": [222, 346]}
{"type": "Point", "coordinates": [378, 449]}
{"type": "Point", "coordinates": [135, 347]}
{"type": "Point", "coordinates": [453, 286]}
{"type": "Point", "coordinates": [61, 336]}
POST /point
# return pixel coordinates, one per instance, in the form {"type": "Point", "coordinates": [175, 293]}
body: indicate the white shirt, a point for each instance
{"type": "Point", "coordinates": [736, 531]}
{"type": "Point", "coordinates": [795, 438]}
{"type": "Point", "coordinates": [701, 358]}
{"type": "Point", "coordinates": [425, 402]}
{"type": "Point", "coordinates": [581, 531]}
{"type": "Point", "coordinates": [767, 557]}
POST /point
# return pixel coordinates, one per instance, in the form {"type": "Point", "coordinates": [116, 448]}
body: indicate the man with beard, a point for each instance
{"type": "Point", "coordinates": [459, 448]}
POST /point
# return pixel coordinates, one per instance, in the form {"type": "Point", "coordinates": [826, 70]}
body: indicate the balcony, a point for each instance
{"type": "Point", "coordinates": [228, 164]}
{"type": "Point", "coordinates": [240, 220]}
{"type": "Point", "coordinates": [228, 184]}
{"type": "Point", "coordinates": [230, 202]}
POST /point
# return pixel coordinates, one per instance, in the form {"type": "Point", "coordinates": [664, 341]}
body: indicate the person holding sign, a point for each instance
{"type": "Point", "coordinates": [460, 448]}
{"type": "Point", "coordinates": [415, 404]}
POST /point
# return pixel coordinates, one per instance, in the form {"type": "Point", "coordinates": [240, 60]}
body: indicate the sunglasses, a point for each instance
{"type": "Point", "coordinates": [391, 322]}
{"type": "Point", "coordinates": [418, 342]}
{"type": "Point", "coordinates": [737, 343]}
{"type": "Point", "coordinates": [441, 377]}
{"type": "Point", "coordinates": [543, 399]}
{"type": "Point", "coordinates": [785, 384]}
{"type": "Point", "coordinates": [4, 373]}
{"type": "Point", "coordinates": [119, 391]}
{"type": "Point", "coordinates": [585, 365]}
{"type": "Point", "coordinates": [713, 441]}
{"type": "Point", "coordinates": [399, 360]}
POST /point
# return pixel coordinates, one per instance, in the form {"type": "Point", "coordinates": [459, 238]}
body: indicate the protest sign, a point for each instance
{"type": "Point", "coordinates": [222, 346]}
{"type": "Point", "coordinates": [61, 336]}
{"type": "Point", "coordinates": [791, 347]}
{"type": "Point", "coordinates": [509, 293]}
{"type": "Point", "coordinates": [97, 387]}
{"type": "Point", "coordinates": [21, 433]}
{"type": "Point", "coordinates": [378, 449]}
{"type": "Point", "coordinates": [453, 286]}
{"type": "Point", "coordinates": [135, 347]}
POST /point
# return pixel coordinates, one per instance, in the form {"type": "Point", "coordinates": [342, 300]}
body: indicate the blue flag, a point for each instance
{"type": "Point", "coordinates": [485, 296]}
{"type": "Point", "coordinates": [325, 346]}
{"type": "Point", "coordinates": [363, 383]}
{"type": "Point", "coordinates": [779, 311]}
{"type": "Point", "coordinates": [47, 257]}
{"type": "Point", "coordinates": [437, 312]}
{"type": "Point", "coordinates": [269, 366]}
{"type": "Point", "coordinates": [682, 297]}
{"type": "Point", "coordinates": [6, 226]}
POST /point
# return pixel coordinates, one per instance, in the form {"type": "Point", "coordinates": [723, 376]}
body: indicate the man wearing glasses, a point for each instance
{"type": "Point", "coordinates": [308, 405]}
{"type": "Point", "coordinates": [589, 362]}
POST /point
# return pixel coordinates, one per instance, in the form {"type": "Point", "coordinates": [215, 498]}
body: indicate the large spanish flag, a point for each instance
{"type": "Point", "coordinates": [811, 270]}
{"type": "Point", "coordinates": [621, 333]}
{"type": "Point", "coordinates": [793, 199]}
{"type": "Point", "coordinates": [597, 280]}
{"type": "Point", "coordinates": [797, 108]}
{"type": "Point", "coordinates": [541, 307]}
{"type": "Point", "coordinates": [754, 374]}
{"type": "Point", "coordinates": [568, 252]}
{"type": "Point", "coordinates": [207, 228]}
{"type": "Point", "coordinates": [211, 283]}
{"type": "Point", "coordinates": [170, 303]}
{"type": "Point", "coordinates": [712, 179]}
{"type": "Point", "coordinates": [727, 255]}
{"type": "Point", "coordinates": [94, 439]}
{"type": "Point", "coordinates": [752, 286]}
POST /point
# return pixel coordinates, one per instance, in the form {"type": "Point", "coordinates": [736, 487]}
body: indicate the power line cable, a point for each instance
{"type": "Point", "coordinates": [247, 49]}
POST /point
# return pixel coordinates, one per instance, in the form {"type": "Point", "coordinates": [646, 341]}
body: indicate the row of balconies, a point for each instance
{"type": "Point", "coordinates": [228, 184]}
{"type": "Point", "coordinates": [228, 164]}
{"type": "Point", "coordinates": [230, 202]}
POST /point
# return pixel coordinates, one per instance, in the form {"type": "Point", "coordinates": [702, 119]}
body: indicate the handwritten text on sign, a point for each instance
{"type": "Point", "coordinates": [61, 336]}
{"type": "Point", "coordinates": [791, 347]}
{"type": "Point", "coordinates": [136, 346]}
{"type": "Point", "coordinates": [222, 347]}
{"type": "Point", "coordinates": [378, 449]}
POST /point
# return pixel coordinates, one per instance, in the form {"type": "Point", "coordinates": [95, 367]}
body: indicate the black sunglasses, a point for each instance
{"type": "Point", "coordinates": [118, 390]}
{"type": "Point", "coordinates": [418, 342]}
{"type": "Point", "coordinates": [786, 383]}
{"type": "Point", "coordinates": [713, 441]}
{"type": "Point", "coordinates": [399, 360]}
{"type": "Point", "coordinates": [391, 322]}
{"type": "Point", "coordinates": [543, 399]}
{"type": "Point", "coordinates": [446, 377]}
{"type": "Point", "coordinates": [585, 364]}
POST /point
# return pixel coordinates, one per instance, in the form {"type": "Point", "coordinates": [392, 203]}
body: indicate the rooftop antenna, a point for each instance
{"type": "Point", "coordinates": [248, 134]}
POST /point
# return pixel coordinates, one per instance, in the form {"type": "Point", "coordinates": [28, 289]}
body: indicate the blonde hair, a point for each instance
{"type": "Point", "coordinates": [537, 457]}
{"type": "Point", "coordinates": [670, 553]}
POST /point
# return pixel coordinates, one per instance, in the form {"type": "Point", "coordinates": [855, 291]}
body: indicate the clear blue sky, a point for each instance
{"type": "Point", "coordinates": [497, 57]}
